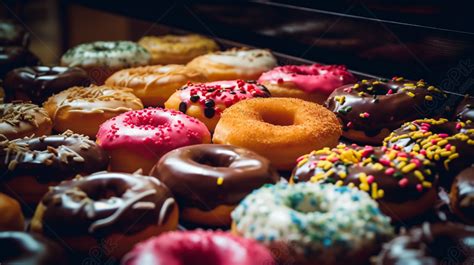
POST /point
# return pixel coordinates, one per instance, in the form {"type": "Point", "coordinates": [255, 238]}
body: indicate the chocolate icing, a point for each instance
{"type": "Point", "coordinates": [449, 144]}
{"type": "Point", "coordinates": [462, 195]}
{"type": "Point", "coordinates": [208, 175]}
{"type": "Point", "coordinates": [51, 158]}
{"type": "Point", "coordinates": [12, 57]}
{"type": "Point", "coordinates": [441, 243]}
{"type": "Point", "coordinates": [373, 105]}
{"type": "Point", "coordinates": [106, 202]}
{"type": "Point", "coordinates": [349, 171]}
{"type": "Point", "coordinates": [465, 109]}
{"type": "Point", "coordinates": [38, 83]}
{"type": "Point", "coordinates": [13, 34]}
{"type": "Point", "coordinates": [23, 248]}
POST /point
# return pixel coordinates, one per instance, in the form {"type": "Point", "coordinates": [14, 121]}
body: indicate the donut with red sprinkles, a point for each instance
{"type": "Point", "coordinates": [137, 139]}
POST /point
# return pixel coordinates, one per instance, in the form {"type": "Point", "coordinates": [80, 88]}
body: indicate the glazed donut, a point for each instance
{"type": "Point", "coordinates": [12, 34]}
{"type": "Point", "coordinates": [38, 83]}
{"type": "Point", "coordinates": [220, 176]}
{"type": "Point", "coordinates": [103, 58]}
{"type": "Point", "coordinates": [18, 120]}
{"type": "Point", "coordinates": [441, 243]}
{"type": "Point", "coordinates": [246, 64]}
{"type": "Point", "coordinates": [23, 248]}
{"type": "Point", "coordinates": [155, 84]}
{"type": "Point", "coordinates": [207, 101]}
{"type": "Point", "coordinates": [404, 184]}
{"type": "Point", "coordinates": [449, 144]}
{"type": "Point", "coordinates": [12, 57]}
{"type": "Point", "coordinates": [83, 109]}
{"type": "Point", "coordinates": [12, 217]}
{"type": "Point", "coordinates": [198, 247]}
{"type": "Point", "coordinates": [30, 165]}
{"type": "Point", "coordinates": [280, 129]}
{"type": "Point", "coordinates": [174, 49]}
{"type": "Point", "coordinates": [462, 195]}
{"type": "Point", "coordinates": [313, 224]}
{"type": "Point", "coordinates": [114, 207]}
{"type": "Point", "coordinates": [138, 139]}
{"type": "Point", "coordinates": [465, 110]}
{"type": "Point", "coordinates": [371, 109]}
{"type": "Point", "coordinates": [309, 82]}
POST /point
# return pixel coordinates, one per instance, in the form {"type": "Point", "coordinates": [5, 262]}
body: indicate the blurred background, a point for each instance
{"type": "Point", "coordinates": [433, 40]}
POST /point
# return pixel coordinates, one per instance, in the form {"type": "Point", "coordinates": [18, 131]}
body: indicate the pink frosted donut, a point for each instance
{"type": "Point", "coordinates": [206, 101]}
{"type": "Point", "coordinates": [198, 247]}
{"type": "Point", "coordinates": [309, 82]}
{"type": "Point", "coordinates": [137, 139]}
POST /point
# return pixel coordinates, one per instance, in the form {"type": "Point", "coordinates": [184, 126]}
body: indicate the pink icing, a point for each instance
{"type": "Point", "coordinates": [151, 132]}
{"type": "Point", "coordinates": [198, 247]}
{"type": "Point", "coordinates": [310, 78]}
{"type": "Point", "coordinates": [224, 93]}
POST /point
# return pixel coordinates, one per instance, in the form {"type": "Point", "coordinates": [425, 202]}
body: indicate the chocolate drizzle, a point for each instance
{"type": "Point", "coordinates": [104, 203]}
{"type": "Point", "coordinates": [24, 248]}
{"type": "Point", "coordinates": [38, 83]}
{"type": "Point", "coordinates": [441, 243]}
{"type": "Point", "coordinates": [206, 176]}
{"type": "Point", "coordinates": [373, 105]}
{"type": "Point", "coordinates": [50, 158]}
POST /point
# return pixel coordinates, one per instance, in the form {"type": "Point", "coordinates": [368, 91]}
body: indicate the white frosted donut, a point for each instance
{"type": "Point", "coordinates": [316, 224]}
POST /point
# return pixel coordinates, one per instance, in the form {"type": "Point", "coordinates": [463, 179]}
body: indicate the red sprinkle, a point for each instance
{"type": "Point", "coordinates": [403, 182]}
{"type": "Point", "coordinates": [419, 187]}
{"type": "Point", "coordinates": [370, 179]}
{"type": "Point", "coordinates": [389, 171]}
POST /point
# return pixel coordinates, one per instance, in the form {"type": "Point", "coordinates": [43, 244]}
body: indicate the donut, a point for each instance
{"type": "Point", "coordinates": [449, 144]}
{"type": "Point", "coordinates": [440, 243]}
{"type": "Point", "coordinates": [154, 84]}
{"type": "Point", "coordinates": [207, 101]}
{"type": "Point", "coordinates": [12, 217]}
{"type": "Point", "coordinates": [103, 58]}
{"type": "Point", "coordinates": [371, 109]}
{"type": "Point", "coordinates": [280, 129]}
{"type": "Point", "coordinates": [310, 223]}
{"type": "Point", "coordinates": [83, 109]}
{"type": "Point", "coordinates": [12, 34]}
{"type": "Point", "coordinates": [112, 207]}
{"type": "Point", "coordinates": [219, 177]}
{"type": "Point", "coordinates": [404, 184]}
{"type": "Point", "coordinates": [138, 139]}
{"type": "Point", "coordinates": [24, 248]}
{"type": "Point", "coordinates": [465, 110]}
{"type": "Point", "coordinates": [12, 57]}
{"type": "Point", "coordinates": [18, 120]}
{"type": "Point", "coordinates": [309, 82]}
{"type": "Point", "coordinates": [198, 247]}
{"type": "Point", "coordinates": [462, 195]}
{"type": "Point", "coordinates": [29, 166]}
{"type": "Point", "coordinates": [175, 49]}
{"type": "Point", "coordinates": [38, 83]}
{"type": "Point", "coordinates": [246, 64]}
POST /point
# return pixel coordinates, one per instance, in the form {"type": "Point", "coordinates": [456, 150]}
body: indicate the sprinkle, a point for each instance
{"type": "Point", "coordinates": [419, 175]}
{"type": "Point", "coordinates": [408, 167]}
{"type": "Point", "coordinates": [429, 98]}
{"type": "Point", "coordinates": [220, 180]}
{"type": "Point", "coordinates": [370, 179]}
{"type": "Point", "coordinates": [364, 115]}
{"type": "Point", "coordinates": [419, 187]}
{"type": "Point", "coordinates": [403, 182]}
{"type": "Point", "coordinates": [427, 184]}
{"type": "Point", "coordinates": [389, 171]}
{"type": "Point", "coordinates": [410, 94]}
{"type": "Point", "coordinates": [339, 183]}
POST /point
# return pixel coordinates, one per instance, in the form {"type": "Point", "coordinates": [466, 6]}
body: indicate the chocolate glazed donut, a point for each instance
{"type": "Point", "coordinates": [441, 243]}
{"type": "Point", "coordinates": [23, 248]}
{"type": "Point", "coordinates": [370, 109]}
{"type": "Point", "coordinates": [29, 165]}
{"type": "Point", "coordinates": [462, 195]}
{"type": "Point", "coordinates": [38, 83]}
{"type": "Point", "coordinates": [208, 176]}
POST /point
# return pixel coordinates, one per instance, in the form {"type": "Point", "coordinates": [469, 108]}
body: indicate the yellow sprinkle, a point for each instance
{"type": "Point", "coordinates": [410, 94]}
{"type": "Point", "coordinates": [339, 183]}
{"type": "Point", "coordinates": [356, 86]}
{"type": "Point", "coordinates": [380, 194]}
{"type": "Point", "coordinates": [408, 167]}
{"type": "Point", "coordinates": [302, 162]}
{"type": "Point", "coordinates": [416, 147]}
{"type": "Point", "coordinates": [374, 190]}
{"type": "Point", "coordinates": [377, 166]}
{"type": "Point", "coordinates": [429, 98]}
{"type": "Point", "coordinates": [342, 174]}
{"type": "Point", "coordinates": [419, 175]}
{"type": "Point", "coordinates": [453, 156]}
{"type": "Point", "coordinates": [363, 177]}
{"type": "Point", "coordinates": [220, 180]}
{"type": "Point", "coordinates": [351, 185]}
{"type": "Point", "coordinates": [360, 94]}
{"type": "Point", "coordinates": [428, 171]}
{"type": "Point", "coordinates": [364, 186]}
{"type": "Point", "coordinates": [442, 142]}
{"type": "Point", "coordinates": [426, 184]}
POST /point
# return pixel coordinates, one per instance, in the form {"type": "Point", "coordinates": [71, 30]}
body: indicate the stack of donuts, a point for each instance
{"type": "Point", "coordinates": [170, 151]}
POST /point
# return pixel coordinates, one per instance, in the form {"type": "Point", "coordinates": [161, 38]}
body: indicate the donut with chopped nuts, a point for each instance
{"type": "Point", "coordinates": [18, 120]}
{"type": "Point", "coordinates": [29, 166]}
{"type": "Point", "coordinates": [370, 109]}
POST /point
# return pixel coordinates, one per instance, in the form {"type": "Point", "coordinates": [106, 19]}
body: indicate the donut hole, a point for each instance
{"type": "Point", "coordinates": [214, 160]}
{"type": "Point", "coordinates": [105, 191]}
{"type": "Point", "coordinates": [278, 117]}
{"type": "Point", "coordinates": [152, 120]}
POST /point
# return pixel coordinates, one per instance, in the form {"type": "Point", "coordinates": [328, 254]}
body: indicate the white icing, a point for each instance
{"type": "Point", "coordinates": [246, 61]}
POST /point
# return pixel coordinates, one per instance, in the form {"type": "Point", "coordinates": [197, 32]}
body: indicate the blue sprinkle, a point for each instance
{"type": "Point", "coordinates": [342, 189]}
{"type": "Point", "coordinates": [327, 242]}
{"type": "Point", "coordinates": [313, 201]}
{"type": "Point", "coordinates": [260, 238]}
{"type": "Point", "coordinates": [355, 197]}
{"type": "Point", "coordinates": [296, 220]}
